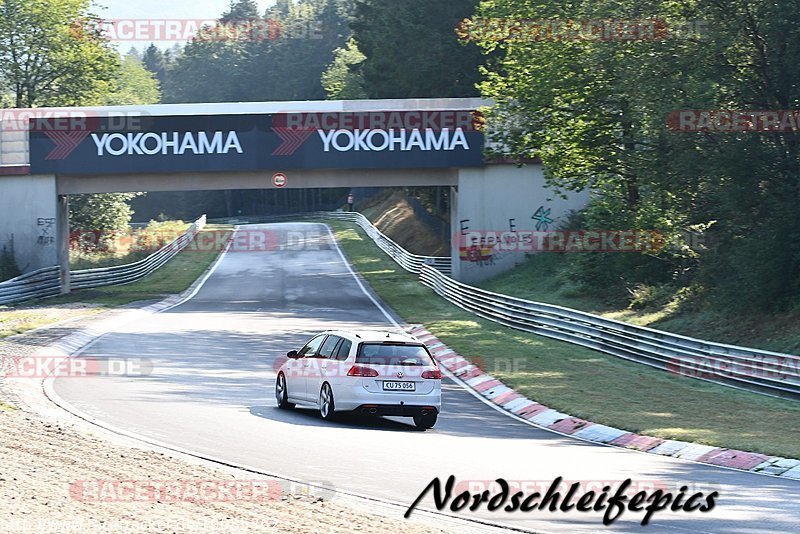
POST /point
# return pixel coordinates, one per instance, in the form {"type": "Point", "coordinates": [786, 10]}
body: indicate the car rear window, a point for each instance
{"type": "Point", "coordinates": [393, 354]}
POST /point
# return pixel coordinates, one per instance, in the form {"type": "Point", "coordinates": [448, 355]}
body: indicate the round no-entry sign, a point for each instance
{"type": "Point", "coordinates": [279, 180]}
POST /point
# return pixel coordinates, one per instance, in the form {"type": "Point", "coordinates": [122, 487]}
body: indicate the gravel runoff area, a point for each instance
{"type": "Point", "coordinates": [56, 477]}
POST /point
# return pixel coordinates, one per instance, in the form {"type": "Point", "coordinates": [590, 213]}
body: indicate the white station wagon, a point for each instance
{"type": "Point", "coordinates": [367, 372]}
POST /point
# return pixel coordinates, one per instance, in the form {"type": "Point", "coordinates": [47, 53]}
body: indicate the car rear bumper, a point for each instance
{"type": "Point", "coordinates": [354, 398]}
{"type": "Point", "coordinates": [403, 410]}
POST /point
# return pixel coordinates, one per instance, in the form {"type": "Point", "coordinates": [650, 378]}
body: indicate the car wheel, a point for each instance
{"type": "Point", "coordinates": [326, 405]}
{"type": "Point", "coordinates": [280, 393]}
{"type": "Point", "coordinates": [425, 421]}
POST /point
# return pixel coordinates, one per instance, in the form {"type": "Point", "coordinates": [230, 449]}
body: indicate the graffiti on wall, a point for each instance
{"type": "Point", "coordinates": [487, 247]}
{"type": "Point", "coordinates": [477, 252]}
{"type": "Point", "coordinates": [542, 218]}
{"type": "Point", "coordinates": [46, 231]}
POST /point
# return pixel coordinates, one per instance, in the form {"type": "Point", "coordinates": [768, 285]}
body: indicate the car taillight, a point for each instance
{"type": "Point", "coordinates": [359, 370]}
{"type": "Point", "coordinates": [436, 374]}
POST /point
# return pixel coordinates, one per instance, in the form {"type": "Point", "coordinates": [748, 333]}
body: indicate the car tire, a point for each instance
{"type": "Point", "coordinates": [327, 408]}
{"type": "Point", "coordinates": [281, 394]}
{"type": "Point", "coordinates": [426, 421]}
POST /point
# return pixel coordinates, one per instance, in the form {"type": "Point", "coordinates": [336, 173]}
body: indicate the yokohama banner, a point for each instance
{"type": "Point", "coordinates": [336, 140]}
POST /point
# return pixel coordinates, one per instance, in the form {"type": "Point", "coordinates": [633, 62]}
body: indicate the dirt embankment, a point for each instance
{"type": "Point", "coordinates": [394, 216]}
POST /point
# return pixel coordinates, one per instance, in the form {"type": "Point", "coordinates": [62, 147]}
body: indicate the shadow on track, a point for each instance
{"type": "Point", "coordinates": [311, 417]}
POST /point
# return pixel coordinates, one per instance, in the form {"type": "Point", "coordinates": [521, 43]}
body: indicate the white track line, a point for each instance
{"type": "Point", "coordinates": [358, 280]}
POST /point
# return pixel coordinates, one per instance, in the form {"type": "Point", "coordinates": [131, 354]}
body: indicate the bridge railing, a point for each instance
{"type": "Point", "coordinates": [46, 282]}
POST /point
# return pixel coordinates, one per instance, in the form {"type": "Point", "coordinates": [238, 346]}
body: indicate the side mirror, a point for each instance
{"type": "Point", "coordinates": [292, 354]}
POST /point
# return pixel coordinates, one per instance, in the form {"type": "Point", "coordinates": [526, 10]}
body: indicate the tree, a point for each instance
{"type": "Point", "coordinates": [134, 85]}
{"type": "Point", "coordinates": [156, 62]}
{"type": "Point", "coordinates": [594, 111]}
{"type": "Point", "coordinates": [209, 70]}
{"type": "Point", "coordinates": [241, 11]}
{"type": "Point", "coordinates": [282, 58]}
{"type": "Point", "coordinates": [290, 65]}
{"type": "Point", "coordinates": [412, 50]}
{"type": "Point", "coordinates": [343, 79]}
{"type": "Point", "coordinates": [52, 53]}
{"type": "Point", "coordinates": [213, 66]}
{"type": "Point", "coordinates": [107, 213]}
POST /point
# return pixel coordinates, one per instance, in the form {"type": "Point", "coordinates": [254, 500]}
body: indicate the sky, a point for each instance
{"type": "Point", "coordinates": [146, 11]}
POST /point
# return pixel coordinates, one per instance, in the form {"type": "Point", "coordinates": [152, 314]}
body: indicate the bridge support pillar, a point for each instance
{"type": "Point", "coordinates": [63, 242]}
{"type": "Point", "coordinates": [503, 199]}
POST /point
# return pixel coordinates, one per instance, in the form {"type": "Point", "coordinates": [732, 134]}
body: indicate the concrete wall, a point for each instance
{"type": "Point", "coordinates": [28, 216]}
{"type": "Point", "coordinates": [13, 144]}
{"type": "Point", "coordinates": [498, 199]}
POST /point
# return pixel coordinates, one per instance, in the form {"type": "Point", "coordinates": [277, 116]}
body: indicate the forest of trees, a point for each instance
{"type": "Point", "coordinates": [315, 49]}
{"type": "Point", "coordinates": [595, 113]}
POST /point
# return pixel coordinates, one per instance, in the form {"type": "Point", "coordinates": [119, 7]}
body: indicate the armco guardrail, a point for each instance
{"type": "Point", "coordinates": [410, 262]}
{"type": "Point", "coordinates": [46, 282]}
{"type": "Point", "coordinates": [37, 284]}
{"type": "Point", "coordinates": [123, 274]}
{"type": "Point", "coordinates": [756, 370]}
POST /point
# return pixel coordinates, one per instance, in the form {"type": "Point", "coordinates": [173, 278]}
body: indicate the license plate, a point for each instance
{"type": "Point", "coordinates": [399, 386]}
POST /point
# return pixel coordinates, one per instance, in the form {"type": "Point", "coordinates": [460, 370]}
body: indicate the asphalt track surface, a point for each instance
{"type": "Point", "coordinates": [211, 392]}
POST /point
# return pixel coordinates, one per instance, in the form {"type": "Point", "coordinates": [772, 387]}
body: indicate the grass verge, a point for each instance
{"type": "Point", "coordinates": [582, 382]}
{"type": "Point", "coordinates": [174, 277]}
